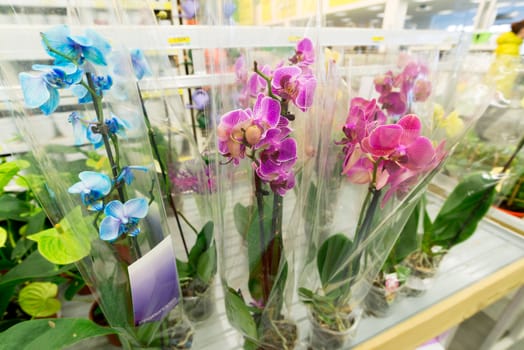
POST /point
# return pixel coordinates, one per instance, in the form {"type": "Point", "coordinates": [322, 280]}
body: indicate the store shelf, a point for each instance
{"type": "Point", "coordinates": [23, 42]}
{"type": "Point", "coordinates": [473, 275]}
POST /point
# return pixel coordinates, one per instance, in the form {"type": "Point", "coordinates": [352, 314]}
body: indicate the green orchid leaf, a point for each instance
{"type": "Point", "coordinates": [407, 241]}
{"type": "Point", "coordinates": [13, 208]}
{"type": "Point", "coordinates": [207, 265]}
{"type": "Point", "coordinates": [463, 209]}
{"type": "Point", "coordinates": [3, 237]}
{"type": "Point", "coordinates": [64, 245]}
{"type": "Point", "coordinates": [238, 314]}
{"type": "Point", "coordinates": [202, 244]}
{"type": "Point", "coordinates": [9, 170]}
{"type": "Point", "coordinates": [244, 218]}
{"type": "Point", "coordinates": [332, 259]}
{"type": "Point", "coordinates": [38, 299]}
{"type": "Point", "coordinates": [34, 266]}
{"type": "Point", "coordinates": [184, 270]}
{"type": "Point", "coordinates": [50, 334]}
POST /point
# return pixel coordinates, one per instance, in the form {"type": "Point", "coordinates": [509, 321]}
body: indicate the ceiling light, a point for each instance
{"type": "Point", "coordinates": [375, 8]}
{"type": "Point", "coordinates": [345, 19]}
{"type": "Point", "coordinates": [340, 14]}
{"type": "Point", "coordinates": [380, 15]}
{"type": "Point", "coordinates": [445, 12]}
{"type": "Point", "coordinates": [422, 1]}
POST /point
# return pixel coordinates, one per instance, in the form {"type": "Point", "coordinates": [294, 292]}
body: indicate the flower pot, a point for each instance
{"type": "Point", "coordinates": [199, 305]}
{"type": "Point", "coordinates": [379, 300]}
{"type": "Point", "coordinates": [96, 315]}
{"type": "Point", "coordinates": [517, 214]}
{"type": "Point", "coordinates": [423, 269]}
{"type": "Point", "coordinates": [324, 337]}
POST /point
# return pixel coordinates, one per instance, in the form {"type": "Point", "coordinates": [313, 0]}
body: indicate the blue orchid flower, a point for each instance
{"type": "Point", "coordinates": [101, 83]}
{"type": "Point", "coordinates": [122, 218]}
{"type": "Point", "coordinates": [127, 173]}
{"type": "Point", "coordinates": [91, 47]}
{"type": "Point", "coordinates": [140, 65]}
{"type": "Point", "coordinates": [41, 91]}
{"type": "Point", "coordinates": [117, 126]}
{"type": "Point", "coordinates": [80, 125]}
{"type": "Point", "coordinates": [93, 187]}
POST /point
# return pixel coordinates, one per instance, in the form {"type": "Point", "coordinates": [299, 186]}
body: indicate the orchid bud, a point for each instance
{"type": "Point", "coordinates": [253, 135]}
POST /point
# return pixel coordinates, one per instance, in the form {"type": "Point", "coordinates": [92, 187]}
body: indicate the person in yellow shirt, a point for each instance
{"type": "Point", "coordinates": [507, 59]}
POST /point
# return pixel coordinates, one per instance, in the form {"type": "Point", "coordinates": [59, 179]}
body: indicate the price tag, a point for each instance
{"type": "Point", "coordinates": [377, 38]}
{"type": "Point", "coordinates": [294, 38]}
{"type": "Point", "coordinates": [180, 40]}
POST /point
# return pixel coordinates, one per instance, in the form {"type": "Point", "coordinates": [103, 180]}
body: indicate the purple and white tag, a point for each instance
{"type": "Point", "coordinates": [154, 283]}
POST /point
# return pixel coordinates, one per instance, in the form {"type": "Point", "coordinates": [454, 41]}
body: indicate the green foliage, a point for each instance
{"type": "Point", "coordinates": [333, 260]}
{"type": "Point", "coordinates": [64, 245]}
{"type": "Point", "coordinates": [407, 241]}
{"type": "Point", "coordinates": [50, 334]}
{"type": "Point", "coordinates": [202, 262]}
{"type": "Point", "coordinates": [462, 211]}
{"type": "Point", "coordinates": [38, 299]}
{"type": "Point", "coordinates": [239, 314]}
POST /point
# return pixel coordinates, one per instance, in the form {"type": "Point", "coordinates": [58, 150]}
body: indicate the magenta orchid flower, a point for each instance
{"type": "Point", "coordinates": [290, 84]}
{"type": "Point", "coordinates": [230, 134]}
{"type": "Point", "coordinates": [276, 165]}
{"type": "Point", "coordinates": [241, 70]}
{"type": "Point", "coordinates": [304, 53]}
{"type": "Point", "coordinates": [256, 84]}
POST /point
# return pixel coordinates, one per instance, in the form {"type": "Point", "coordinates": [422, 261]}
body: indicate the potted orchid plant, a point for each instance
{"type": "Point", "coordinates": [455, 222]}
{"type": "Point", "coordinates": [109, 222]}
{"type": "Point", "coordinates": [183, 181]}
{"type": "Point", "coordinates": [385, 161]}
{"type": "Point", "coordinates": [262, 135]}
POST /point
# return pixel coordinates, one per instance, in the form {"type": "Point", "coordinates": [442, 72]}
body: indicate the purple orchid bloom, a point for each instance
{"type": "Point", "coordinates": [241, 70]}
{"type": "Point", "coordinates": [256, 84]}
{"type": "Point", "coordinates": [190, 8]}
{"type": "Point", "coordinates": [91, 47]}
{"type": "Point", "coordinates": [304, 53]}
{"type": "Point", "coordinates": [276, 165]}
{"type": "Point", "coordinates": [122, 218]}
{"type": "Point", "coordinates": [230, 134]}
{"type": "Point", "coordinates": [200, 100]}
{"type": "Point", "coordinates": [395, 103]}
{"type": "Point", "coordinates": [266, 116]}
{"type": "Point", "coordinates": [290, 84]}
{"type": "Point", "coordinates": [92, 187]}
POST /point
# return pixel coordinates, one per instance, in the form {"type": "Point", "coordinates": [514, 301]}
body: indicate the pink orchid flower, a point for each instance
{"type": "Point", "coordinates": [304, 53]}
{"type": "Point", "coordinates": [290, 84]}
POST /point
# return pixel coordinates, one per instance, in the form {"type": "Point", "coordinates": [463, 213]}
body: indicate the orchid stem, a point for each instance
{"type": "Point", "coordinates": [263, 246]}
{"type": "Point", "coordinates": [97, 103]}
{"type": "Point", "coordinates": [267, 79]}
